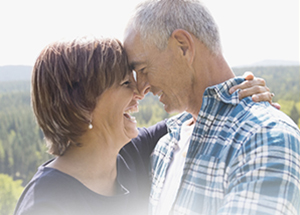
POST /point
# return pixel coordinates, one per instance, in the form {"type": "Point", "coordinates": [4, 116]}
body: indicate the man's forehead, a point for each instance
{"type": "Point", "coordinates": [131, 36]}
{"type": "Point", "coordinates": [136, 56]}
{"type": "Point", "coordinates": [135, 50]}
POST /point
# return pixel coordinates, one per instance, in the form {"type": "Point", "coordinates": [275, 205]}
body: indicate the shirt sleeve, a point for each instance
{"type": "Point", "coordinates": [264, 176]}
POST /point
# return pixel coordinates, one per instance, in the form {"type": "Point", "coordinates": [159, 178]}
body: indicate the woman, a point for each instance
{"type": "Point", "coordinates": [82, 94]}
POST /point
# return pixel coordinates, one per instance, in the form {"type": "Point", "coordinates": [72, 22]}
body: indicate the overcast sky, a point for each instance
{"type": "Point", "coordinates": [251, 30]}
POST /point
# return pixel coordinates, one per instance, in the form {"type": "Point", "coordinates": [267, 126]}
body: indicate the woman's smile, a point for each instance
{"type": "Point", "coordinates": [132, 109]}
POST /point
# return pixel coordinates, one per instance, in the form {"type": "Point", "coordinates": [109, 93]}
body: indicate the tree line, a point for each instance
{"type": "Point", "coordinates": [22, 148]}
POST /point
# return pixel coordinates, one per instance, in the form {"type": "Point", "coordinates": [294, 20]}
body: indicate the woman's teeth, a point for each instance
{"type": "Point", "coordinates": [128, 112]}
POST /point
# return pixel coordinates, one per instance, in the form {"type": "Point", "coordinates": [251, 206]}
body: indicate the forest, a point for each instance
{"type": "Point", "coordinates": [22, 148]}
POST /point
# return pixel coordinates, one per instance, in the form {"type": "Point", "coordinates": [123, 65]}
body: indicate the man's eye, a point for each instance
{"type": "Point", "coordinates": [142, 70]}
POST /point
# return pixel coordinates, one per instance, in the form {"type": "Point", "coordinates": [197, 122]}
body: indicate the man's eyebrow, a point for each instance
{"type": "Point", "coordinates": [135, 64]}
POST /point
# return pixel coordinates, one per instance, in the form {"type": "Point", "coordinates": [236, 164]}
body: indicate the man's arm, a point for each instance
{"type": "Point", "coordinates": [264, 178]}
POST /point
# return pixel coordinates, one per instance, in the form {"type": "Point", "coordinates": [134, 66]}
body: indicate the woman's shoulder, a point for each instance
{"type": "Point", "coordinates": [47, 178]}
{"type": "Point", "coordinates": [53, 192]}
{"type": "Point", "coordinates": [42, 190]}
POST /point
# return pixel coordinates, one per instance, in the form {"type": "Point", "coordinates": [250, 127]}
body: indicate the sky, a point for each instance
{"type": "Point", "coordinates": [251, 30]}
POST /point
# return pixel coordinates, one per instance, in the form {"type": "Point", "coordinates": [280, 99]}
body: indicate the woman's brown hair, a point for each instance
{"type": "Point", "coordinates": [67, 79]}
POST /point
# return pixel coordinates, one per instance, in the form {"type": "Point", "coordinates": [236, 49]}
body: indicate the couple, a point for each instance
{"type": "Point", "coordinates": [222, 155]}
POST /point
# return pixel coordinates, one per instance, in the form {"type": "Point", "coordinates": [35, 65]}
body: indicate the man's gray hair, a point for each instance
{"type": "Point", "coordinates": [156, 20]}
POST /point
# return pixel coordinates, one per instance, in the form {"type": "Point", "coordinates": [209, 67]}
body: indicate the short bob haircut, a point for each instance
{"type": "Point", "coordinates": [67, 79]}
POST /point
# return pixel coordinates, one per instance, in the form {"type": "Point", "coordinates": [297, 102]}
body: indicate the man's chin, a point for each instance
{"type": "Point", "coordinates": [169, 109]}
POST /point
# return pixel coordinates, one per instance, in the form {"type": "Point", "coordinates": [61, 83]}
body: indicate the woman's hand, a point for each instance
{"type": "Point", "coordinates": [255, 87]}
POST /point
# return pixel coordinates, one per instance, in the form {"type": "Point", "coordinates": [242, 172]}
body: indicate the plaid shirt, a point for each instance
{"type": "Point", "coordinates": [243, 158]}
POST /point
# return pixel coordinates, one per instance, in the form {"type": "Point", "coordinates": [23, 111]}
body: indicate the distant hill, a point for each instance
{"type": "Point", "coordinates": [268, 63]}
{"type": "Point", "coordinates": [276, 63]}
{"type": "Point", "coordinates": [15, 73]}
{"type": "Point", "coordinates": [23, 73]}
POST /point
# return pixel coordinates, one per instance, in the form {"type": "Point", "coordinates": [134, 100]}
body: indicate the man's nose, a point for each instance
{"type": "Point", "coordinates": [143, 85]}
{"type": "Point", "coordinates": [136, 93]}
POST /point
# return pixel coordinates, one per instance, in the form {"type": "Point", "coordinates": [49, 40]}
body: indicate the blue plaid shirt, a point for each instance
{"type": "Point", "coordinates": [243, 158]}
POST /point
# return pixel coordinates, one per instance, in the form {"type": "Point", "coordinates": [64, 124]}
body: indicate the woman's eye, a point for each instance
{"type": "Point", "coordinates": [126, 83]}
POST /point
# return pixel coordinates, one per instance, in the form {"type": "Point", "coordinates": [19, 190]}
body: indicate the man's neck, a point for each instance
{"type": "Point", "coordinates": [209, 71]}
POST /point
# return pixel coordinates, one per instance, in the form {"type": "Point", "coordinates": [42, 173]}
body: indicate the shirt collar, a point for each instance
{"type": "Point", "coordinates": [221, 91]}
{"type": "Point", "coordinates": [174, 123]}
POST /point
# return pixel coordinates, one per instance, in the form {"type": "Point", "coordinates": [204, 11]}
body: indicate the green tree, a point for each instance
{"type": "Point", "coordinates": [10, 192]}
{"type": "Point", "coordinates": [284, 81]}
{"type": "Point", "coordinates": [286, 106]}
{"type": "Point", "coordinates": [146, 112]}
{"type": "Point", "coordinates": [298, 108]}
{"type": "Point", "coordinates": [22, 148]}
{"type": "Point", "coordinates": [294, 114]}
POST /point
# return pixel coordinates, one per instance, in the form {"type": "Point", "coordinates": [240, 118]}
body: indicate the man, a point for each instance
{"type": "Point", "coordinates": [222, 155]}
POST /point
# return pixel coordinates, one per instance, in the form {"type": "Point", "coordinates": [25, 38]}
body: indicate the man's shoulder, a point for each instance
{"type": "Point", "coordinates": [260, 120]}
{"type": "Point", "coordinates": [177, 120]}
{"type": "Point", "coordinates": [260, 114]}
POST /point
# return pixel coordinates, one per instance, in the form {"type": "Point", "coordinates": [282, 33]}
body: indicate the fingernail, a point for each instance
{"type": "Point", "coordinates": [255, 98]}
{"type": "Point", "coordinates": [231, 90]}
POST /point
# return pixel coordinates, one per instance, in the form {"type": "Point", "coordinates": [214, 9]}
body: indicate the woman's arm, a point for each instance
{"type": "Point", "coordinates": [255, 87]}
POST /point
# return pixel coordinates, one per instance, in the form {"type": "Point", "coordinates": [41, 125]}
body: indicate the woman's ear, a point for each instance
{"type": "Point", "coordinates": [185, 42]}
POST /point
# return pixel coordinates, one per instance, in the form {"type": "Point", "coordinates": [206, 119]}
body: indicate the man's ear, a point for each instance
{"type": "Point", "coordinates": [186, 43]}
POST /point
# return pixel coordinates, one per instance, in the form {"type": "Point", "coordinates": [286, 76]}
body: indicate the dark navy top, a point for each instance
{"type": "Point", "coordinates": [53, 192]}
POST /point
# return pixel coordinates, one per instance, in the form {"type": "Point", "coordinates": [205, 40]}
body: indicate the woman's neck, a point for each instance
{"type": "Point", "coordinates": [94, 164]}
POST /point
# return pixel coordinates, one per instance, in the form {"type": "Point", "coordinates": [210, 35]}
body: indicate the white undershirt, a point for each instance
{"type": "Point", "coordinates": [175, 171]}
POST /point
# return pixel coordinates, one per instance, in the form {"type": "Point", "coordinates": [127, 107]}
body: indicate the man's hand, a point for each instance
{"type": "Point", "coordinates": [255, 87]}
